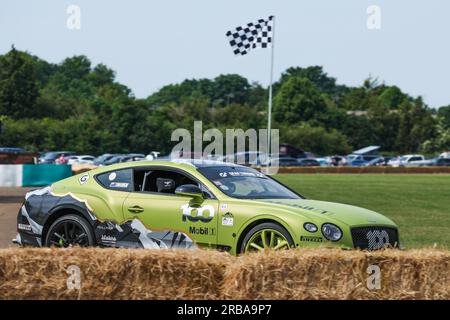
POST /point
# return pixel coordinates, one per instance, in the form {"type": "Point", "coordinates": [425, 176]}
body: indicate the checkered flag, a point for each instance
{"type": "Point", "coordinates": [251, 36]}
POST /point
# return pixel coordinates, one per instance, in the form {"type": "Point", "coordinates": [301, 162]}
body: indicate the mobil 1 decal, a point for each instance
{"type": "Point", "coordinates": [203, 214]}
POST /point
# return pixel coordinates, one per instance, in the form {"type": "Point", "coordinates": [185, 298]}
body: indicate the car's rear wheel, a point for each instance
{"type": "Point", "coordinates": [266, 236]}
{"type": "Point", "coordinates": [69, 230]}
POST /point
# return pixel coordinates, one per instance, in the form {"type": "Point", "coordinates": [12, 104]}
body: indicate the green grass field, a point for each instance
{"type": "Point", "coordinates": [419, 204]}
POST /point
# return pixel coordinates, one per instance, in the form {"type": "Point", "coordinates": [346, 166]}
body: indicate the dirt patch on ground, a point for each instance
{"type": "Point", "coordinates": [10, 201]}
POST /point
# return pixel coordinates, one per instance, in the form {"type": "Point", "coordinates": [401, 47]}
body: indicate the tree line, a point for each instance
{"type": "Point", "coordinates": [76, 106]}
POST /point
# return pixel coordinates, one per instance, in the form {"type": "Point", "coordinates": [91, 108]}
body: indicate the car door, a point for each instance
{"type": "Point", "coordinates": [443, 162]}
{"type": "Point", "coordinates": [108, 200]}
{"type": "Point", "coordinates": [155, 204]}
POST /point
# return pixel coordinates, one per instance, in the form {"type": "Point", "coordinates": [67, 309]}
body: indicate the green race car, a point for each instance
{"type": "Point", "coordinates": [187, 204]}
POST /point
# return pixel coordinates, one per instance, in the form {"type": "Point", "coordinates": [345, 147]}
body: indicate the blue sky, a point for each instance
{"type": "Point", "coordinates": [153, 43]}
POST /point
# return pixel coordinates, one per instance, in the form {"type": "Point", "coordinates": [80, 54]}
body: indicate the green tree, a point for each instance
{"type": "Point", "coordinates": [416, 125]}
{"type": "Point", "coordinates": [315, 139]}
{"type": "Point", "coordinates": [441, 142]}
{"type": "Point", "coordinates": [384, 125]}
{"type": "Point", "coordinates": [444, 114]}
{"type": "Point", "coordinates": [18, 86]}
{"type": "Point", "coordinates": [231, 88]}
{"type": "Point", "coordinates": [316, 75]}
{"type": "Point", "coordinates": [391, 97]}
{"type": "Point", "coordinates": [359, 130]}
{"type": "Point", "coordinates": [101, 75]}
{"type": "Point", "coordinates": [222, 90]}
{"type": "Point", "coordinates": [298, 100]}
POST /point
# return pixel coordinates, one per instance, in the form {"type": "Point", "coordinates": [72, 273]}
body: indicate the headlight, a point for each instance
{"type": "Point", "coordinates": [309, 226]}
{"type": "Point", "coordinates": [331, 232]}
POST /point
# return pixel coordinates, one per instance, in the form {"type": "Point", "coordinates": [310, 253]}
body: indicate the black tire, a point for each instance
{"type": "Point", "coordinates": [75, 231]}
{"type": "Point", "coordinates": [265, 225]}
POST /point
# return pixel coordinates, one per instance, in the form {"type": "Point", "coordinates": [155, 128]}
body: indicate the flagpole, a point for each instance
{"type": "Point", "coordinates": [269, 113]}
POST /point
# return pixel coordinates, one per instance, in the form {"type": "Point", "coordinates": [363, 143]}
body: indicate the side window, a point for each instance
{"type": "Point", "coordinates": [120, 180]}
{"type": "Point", "coordinates": [161, 181]}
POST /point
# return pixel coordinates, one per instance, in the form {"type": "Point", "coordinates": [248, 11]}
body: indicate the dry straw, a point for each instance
{"type": "Point", "coordinates": [206, 274]}
{"type": "Point", "coordinates": [111, 274]}
{"type": "Point", "coordinates": [338, 274]}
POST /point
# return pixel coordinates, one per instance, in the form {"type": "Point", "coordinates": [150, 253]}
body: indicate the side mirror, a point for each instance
{"type": "Point", "coordinates": [189, 190]}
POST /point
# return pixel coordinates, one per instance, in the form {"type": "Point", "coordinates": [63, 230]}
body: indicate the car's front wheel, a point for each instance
{"type": "Point", "coordinates": [69, 230]}
{"type": "Point", "coordinates": [265, 236]}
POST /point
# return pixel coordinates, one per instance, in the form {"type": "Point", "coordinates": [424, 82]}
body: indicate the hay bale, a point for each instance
{"type": "Point", "coordinates": [111, 273]}
{"type": "Point", "coordinates": [204, 274]}
{"type": "Point", "coordinates": [338, 274]}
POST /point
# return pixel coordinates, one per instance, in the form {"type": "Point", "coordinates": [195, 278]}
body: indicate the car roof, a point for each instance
{"type": "Point", "coordinates": [203, 163]}
{"type": "Point", "coordinates": [179, 163]}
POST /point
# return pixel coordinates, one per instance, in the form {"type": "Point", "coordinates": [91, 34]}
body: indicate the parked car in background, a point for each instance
{"type": "Point", "coordinates": [310, 155]}
{"type": "Point", "coordinates": [247, 158]}
{"type": "Point", "coordinates": [152, 155]}
{"type": "Point", "coordinates": [356, 160]}
{"type": "Point", "coordinates": [70, 159]}
{"type": "Point", "coordinates": [436, 162]}
{"type": "Point", "coordinates": [362, 156]}
{"type": "Point", "coordinates": [307, 162]}
{"type": "Point", "coordinates": [11, 155]}
{"type": "Point", "coordinates": [136, 156]}
{"type": "Point", "coordinates": [286, 150]}
{"type": "Point", "coordinates": [12, 149]}
{"type": "Point", "coordinates": [380, 161]}
{"type": "Point", "coordinates": [100, 160]}
{"type": "Point", "coordinates": [83, 159]}
{"type": "Point", "coordinates": [336, 160]}
{"type": "Point", "coordinates": [133, 157]}
{"type": "Point", "coordinates": [294, 162]}
{"type": "Point", "coordinates": [285, 162]}
{"type": "Point", "coordinates": [405, 160]}
{"type": "Point", "coordinates": [445, 155]}
{"type": "Point", "coordinates": [114, 159]}
{"type": "Point", "coordinates": [124, 158]}
{"type": "Point", "coordinates": [323, 162]}
{"type": "Point", "coordinates": [386, 160]}
{"type": "Point", "coordinates": [51, 157]}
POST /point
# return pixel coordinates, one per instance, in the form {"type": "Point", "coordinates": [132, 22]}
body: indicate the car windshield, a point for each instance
{"type": "Point", "coordinates": [246, 183]}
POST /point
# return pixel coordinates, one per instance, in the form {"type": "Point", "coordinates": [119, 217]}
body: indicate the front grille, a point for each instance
{"type": "Point", "coordinates": [373, 238]}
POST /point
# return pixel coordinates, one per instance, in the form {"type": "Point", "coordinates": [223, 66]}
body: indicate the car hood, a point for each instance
{"type": "Point", "coordinates": [324, 210]}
